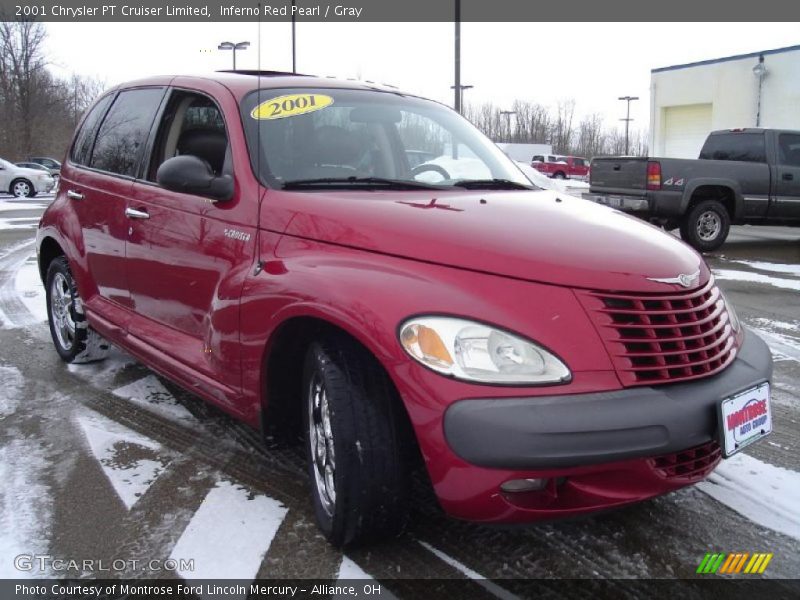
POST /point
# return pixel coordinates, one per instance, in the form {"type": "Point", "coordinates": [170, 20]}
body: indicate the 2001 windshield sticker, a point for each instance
{"type": "Point", "coordinates": [290, 105]}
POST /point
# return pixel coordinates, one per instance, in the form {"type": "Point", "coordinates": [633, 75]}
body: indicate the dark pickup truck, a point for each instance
{"type": "Point", "coordinates": [743, 176]}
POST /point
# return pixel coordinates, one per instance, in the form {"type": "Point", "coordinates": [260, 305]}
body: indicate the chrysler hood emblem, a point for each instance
{"type": "Point", "coordinates": [687, 280]}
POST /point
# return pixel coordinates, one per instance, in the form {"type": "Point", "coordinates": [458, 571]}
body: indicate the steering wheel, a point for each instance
{"type": "Point", "coordinates": [424, 168]}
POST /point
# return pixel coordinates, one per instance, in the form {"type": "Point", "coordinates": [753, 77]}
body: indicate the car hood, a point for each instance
{"type": "Point", "coordinates": [541, 236]}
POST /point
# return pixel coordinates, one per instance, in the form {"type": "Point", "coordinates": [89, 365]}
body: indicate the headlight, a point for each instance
{"type": "Point", "coordinates": [732, 316]}
{"type": "Point", "coordinates": [477, 352]}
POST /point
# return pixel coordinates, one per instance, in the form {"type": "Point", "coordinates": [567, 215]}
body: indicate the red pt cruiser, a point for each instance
{"type": "Point", "coordinates": [273, 244]}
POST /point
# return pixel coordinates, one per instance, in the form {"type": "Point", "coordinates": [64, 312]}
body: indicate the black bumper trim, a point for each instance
{"type": "Point", "coordinates": [549, 432]}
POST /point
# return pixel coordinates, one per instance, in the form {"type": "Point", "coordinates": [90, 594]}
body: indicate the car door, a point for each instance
{"type": "Point", "coordinates": [104, 160]}
{"type": "Point", "coordinates": [786, 204]}
{"type": "Point", "coordinates": [187, 255]}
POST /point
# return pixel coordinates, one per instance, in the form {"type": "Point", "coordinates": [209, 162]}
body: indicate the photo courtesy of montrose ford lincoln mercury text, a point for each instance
{"type": "Point", "coordinates": [271, 243]}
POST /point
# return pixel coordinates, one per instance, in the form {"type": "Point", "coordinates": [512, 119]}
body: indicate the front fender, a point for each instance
{"type": "Point", "coordinates": [368, 295]}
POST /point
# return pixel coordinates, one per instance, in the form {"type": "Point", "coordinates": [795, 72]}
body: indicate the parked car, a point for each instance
{"type": "Point", "coordinates": [743, 176]}
{"type": "Point", "coordinates": [563, 167]}
{"type": "Point", "coordinates": [22, 182]}
{"type": "Point", "coordinates": [34, 166]}
{"type": "Point", "coordinates": [51, 164]}
{"type": "Point", "coordinates": [264, 242]}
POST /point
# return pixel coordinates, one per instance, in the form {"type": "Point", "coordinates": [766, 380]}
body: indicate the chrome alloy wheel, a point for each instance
{"type": "Point", "coordinates": [320, 438]}
{"type": "Point", "coordinates": [21, 189]}
{"type": "Point", "coordinates": [62, 304]}
{"type": "Point", "coordinates": [709, 225]}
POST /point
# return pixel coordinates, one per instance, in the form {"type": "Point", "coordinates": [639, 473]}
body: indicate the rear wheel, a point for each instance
{"type": "Point", "coordinates": [706, 226]}
{"type": "Point", "coordinates": [74, 340]}
{"type": "Point", "coordinates": [559, 175]}
{"type": "Point", "coordinates": [353, 433]}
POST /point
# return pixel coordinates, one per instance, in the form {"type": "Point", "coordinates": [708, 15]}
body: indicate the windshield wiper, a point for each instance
{"type": "Point", "coordinates": [360, 182]}
{"type": "Point", "coordinates": [491, 184]}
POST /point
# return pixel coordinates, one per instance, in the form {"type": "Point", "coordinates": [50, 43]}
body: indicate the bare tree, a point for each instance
{"type": "Point", "coordinates": [39, 111]}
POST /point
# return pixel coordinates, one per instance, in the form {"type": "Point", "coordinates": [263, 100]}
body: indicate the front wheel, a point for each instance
{"type": "Point", "coordinates": [706, 226]}
{"type": "Point", "coordinates": [353, 430]}
{"type": "Point", "coordinates": [74, 340]}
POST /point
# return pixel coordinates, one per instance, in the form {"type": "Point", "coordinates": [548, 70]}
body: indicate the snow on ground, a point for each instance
{"type": "Point", "coordinates": [763, 493]}
{"type": "Point", "coordinates": [11, 382]}
{"type": "Point", "coordinates": [151, 395]}
{"type": "Point", "coordinates": [25, 501]}
{"type": "Point", "coordinates": [9, 204]}
{"type": "Point", "coordinates": [779, 282]}
{"type": "Point", "coordinates": [30, 289]}
{"type": "Point", "coordinates": [18, 223]}
{"type": "Point", "coordinates": [130, 461]}
{"type": "Point", "coordinates": [772, 267]}
{"type": "Point", "coordinates": [784, 346]}
{"type": "Point", "coordinates": [230, 533]}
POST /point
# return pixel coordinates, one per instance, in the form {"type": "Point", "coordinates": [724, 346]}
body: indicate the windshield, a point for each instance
{"type": "Point", "coordinates": [360, 138]}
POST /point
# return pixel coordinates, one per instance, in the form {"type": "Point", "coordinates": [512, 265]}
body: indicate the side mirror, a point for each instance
{"type": "Point", "coordinates": [192, 175]}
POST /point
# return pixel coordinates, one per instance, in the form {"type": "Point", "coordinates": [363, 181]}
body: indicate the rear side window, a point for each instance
{"type": "Point", "coordinates": [741, 147]}
{"type": "Point", "coordinates": [578, 162]}
{"type": "Point", "coordinates": [789, 149]}
{"type": "Point", "coordinates": [123, 134]}
{"type": "Point", "coordinates": [85, 138]}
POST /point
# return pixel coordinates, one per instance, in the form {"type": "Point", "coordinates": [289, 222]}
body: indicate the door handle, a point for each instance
{"type": "Point", "coordinates": [74, 195]}
{"type": "Point", "coordinates": [788, 176]}
{"type": "Point", "coordinates": [132, 213]}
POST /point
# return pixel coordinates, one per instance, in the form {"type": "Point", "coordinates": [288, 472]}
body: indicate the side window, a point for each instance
{"type": "Point", "coordinates": [740, 147]}
{"type": "Point", "coordinates": [789, 149]}
{"type": "Point", "coordinates": [537, 158]}
{"type": "Point", "coordinates": [123, 134]}
{"type": "Point", "coordinates": [85, 138]}
{"type": "Point", "coordinates": [192, 124]}
{"type": "Point", "coordinates": [578, 162]}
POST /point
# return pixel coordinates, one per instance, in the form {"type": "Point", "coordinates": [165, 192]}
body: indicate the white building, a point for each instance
{"type": "Point", "coordinates": [761, 89]}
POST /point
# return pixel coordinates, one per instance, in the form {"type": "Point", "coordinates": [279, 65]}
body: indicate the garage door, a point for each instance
{"type": "Point", "coordinates": [685, 129]}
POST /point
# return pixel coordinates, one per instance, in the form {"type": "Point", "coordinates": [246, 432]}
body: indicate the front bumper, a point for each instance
{"type": "Point", "coordinates": [557, 432]}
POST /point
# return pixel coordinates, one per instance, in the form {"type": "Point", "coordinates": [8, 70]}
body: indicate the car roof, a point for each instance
{"type": "Point", "coordinates": [241, 82]}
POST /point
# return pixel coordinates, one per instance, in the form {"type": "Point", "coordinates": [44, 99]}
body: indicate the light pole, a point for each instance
{"type": "Point", "coordinates": [234, 47]}
{"type": "Point", "coordinates": [760, 71]}
{"type": "Point", "coordinates": [627, 118]}
{"type": "Point", "coordinates": [508, 114]}
{"type": "Point", "coordinates": [461, 94]}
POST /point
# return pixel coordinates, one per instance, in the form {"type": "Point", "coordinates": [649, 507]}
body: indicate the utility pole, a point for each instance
{"type": "Point", "coordinates": [508, 114]}
{"type": "Point", "coordinates": [457, 86]}
{"type": "Point", "coordinates": [627, 118]}
{"type": "Point", "coordinates": [294, 47]}
{"type": "Point", "coordinates": [461, 94]}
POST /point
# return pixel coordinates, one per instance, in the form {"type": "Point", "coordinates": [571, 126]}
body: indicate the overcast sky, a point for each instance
{"type": "Point", "coordinates": [594, 63]}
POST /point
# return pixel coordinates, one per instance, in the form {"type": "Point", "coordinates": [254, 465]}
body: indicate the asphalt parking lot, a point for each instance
{"type": "Point", "coordinates": [109, 462]}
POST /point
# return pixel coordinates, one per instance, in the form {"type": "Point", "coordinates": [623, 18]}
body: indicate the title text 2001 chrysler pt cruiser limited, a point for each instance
{"type": "Point", "coordinates": [274, 244]}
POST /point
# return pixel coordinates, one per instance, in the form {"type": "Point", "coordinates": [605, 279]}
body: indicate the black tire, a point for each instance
{"type": "Point", "coordinates": [559, 175]}
{"type": "Point", "coordinates": [706, 226]}
{"type": "Point", "coordinates": [22, 188]}
{"type": "Point", "coordinates": [370, 472]}
{"type": "Point", "coordinates": [74, 340]}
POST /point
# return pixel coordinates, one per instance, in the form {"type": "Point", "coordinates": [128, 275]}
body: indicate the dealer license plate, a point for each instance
{"type": "Point", "coordinates": [745, 418]}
